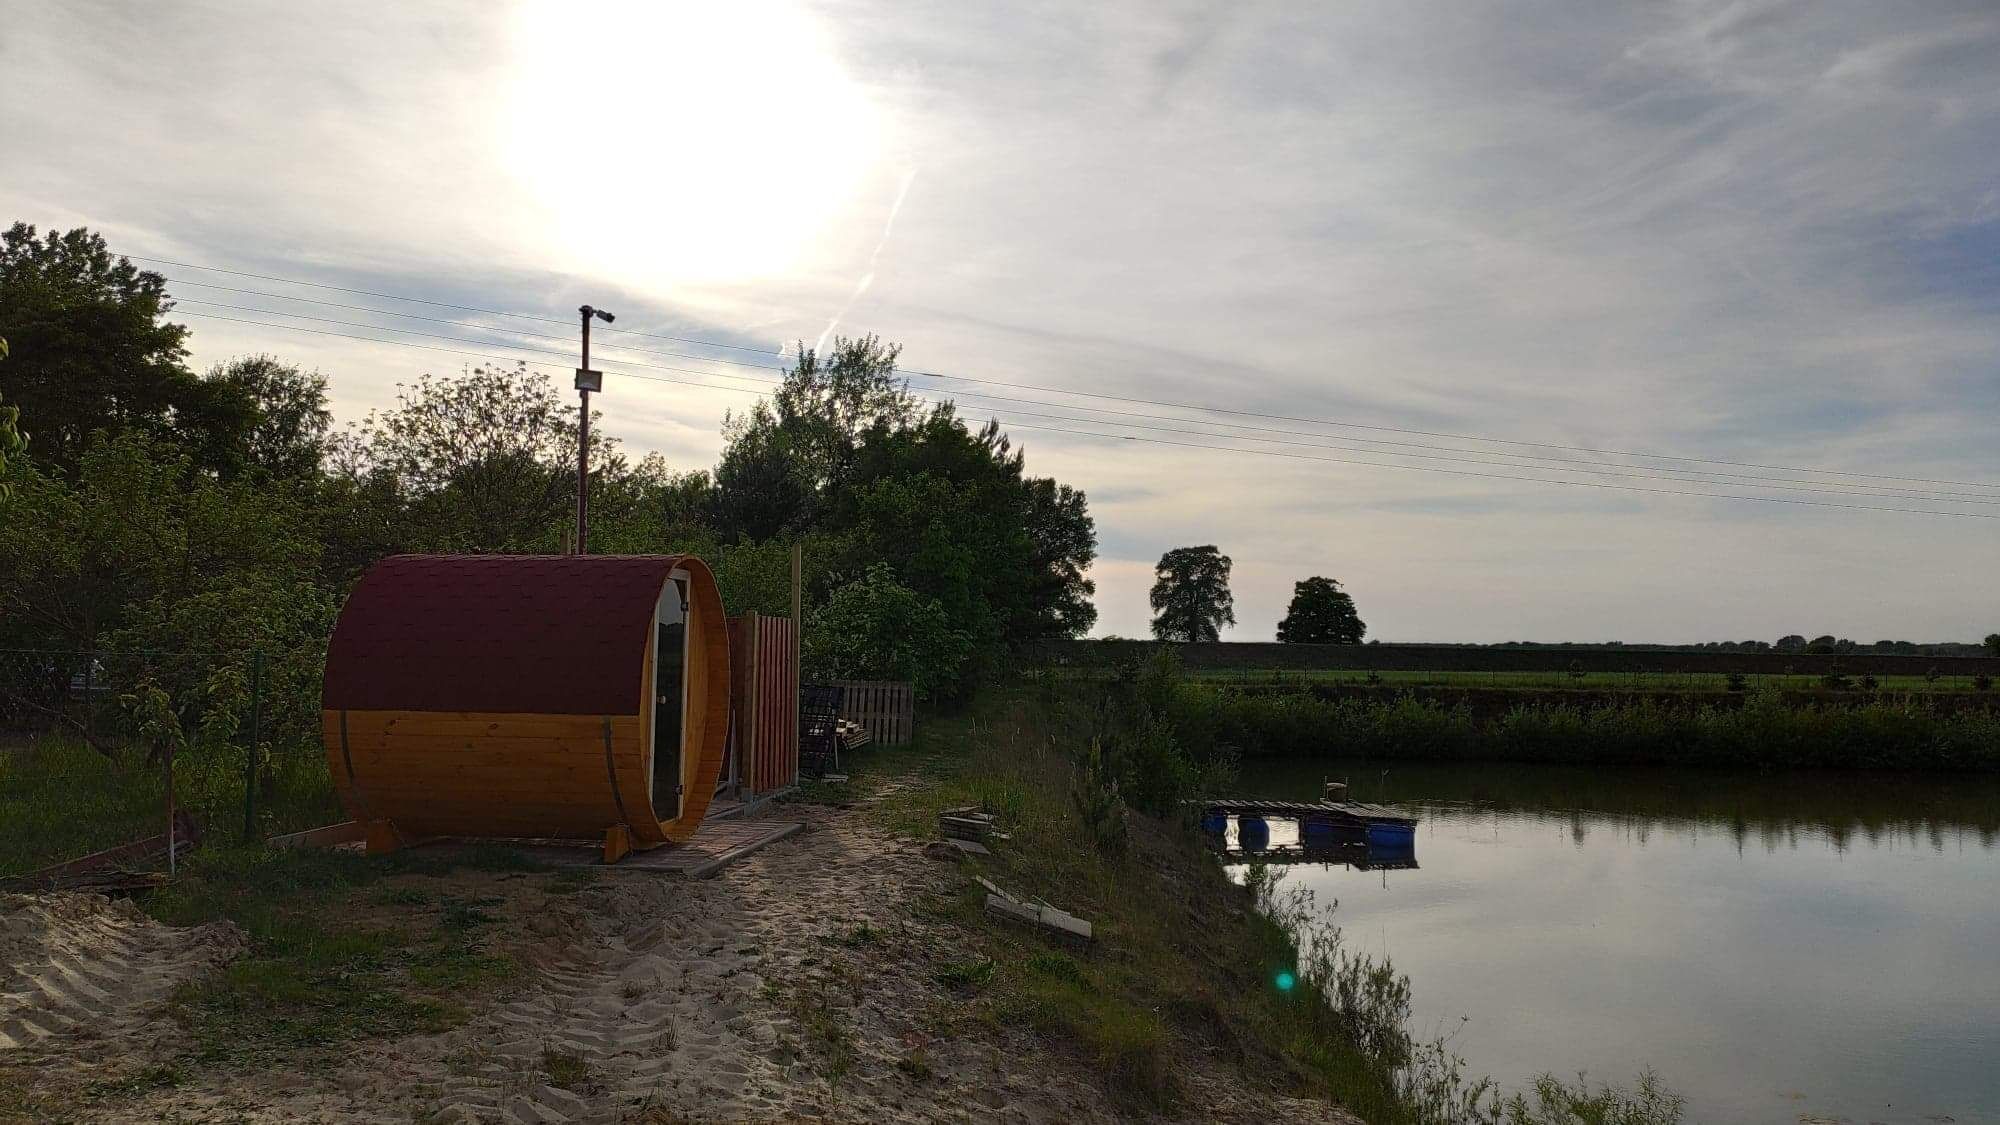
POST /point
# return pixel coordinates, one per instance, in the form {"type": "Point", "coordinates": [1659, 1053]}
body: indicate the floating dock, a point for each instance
{"type": "Point", "coordinates": [1351, 812]}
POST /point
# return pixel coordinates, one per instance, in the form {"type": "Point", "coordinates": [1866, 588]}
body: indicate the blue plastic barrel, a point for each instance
{"type": "Point", "coordinates": [1252, 834]}
{"type": "Point", "coordinates": [1392, 836]}
{"type": "Point", "coordinates": [1215, 822]}
{"type": "Point", "coordinates": [1319, 832]}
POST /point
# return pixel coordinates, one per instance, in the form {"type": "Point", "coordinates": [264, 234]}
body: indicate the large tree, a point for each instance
{"type": "Point", "coordinates": [284, 417]}
{"type": "Point", "coordinates": [1321, 613]}
{"type": "Point", "coordinates": [90, 350]}
{"type": "Point", "coordinates": [482, 462]}
{"type": "Point", "coordinates": [1993, 643]}
{"type": "Point", "coordinates": [1191, 598]}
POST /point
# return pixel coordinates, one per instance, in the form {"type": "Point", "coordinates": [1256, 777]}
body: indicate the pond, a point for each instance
{"type": "Point", "coordinates": [1797, 947]}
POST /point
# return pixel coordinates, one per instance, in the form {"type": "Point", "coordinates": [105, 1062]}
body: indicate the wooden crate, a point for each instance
{"type": "Point", "coordinates": [886, 707]}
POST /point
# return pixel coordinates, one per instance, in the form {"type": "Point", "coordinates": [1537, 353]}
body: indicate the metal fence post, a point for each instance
{"type": "Point", "coordinates": [256, 741]}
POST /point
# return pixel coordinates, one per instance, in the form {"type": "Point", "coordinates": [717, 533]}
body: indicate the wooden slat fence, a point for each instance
{"type": "Point", "coordinates": [886, 707]}
{"type": "Point", "coordinates": [764, 691]}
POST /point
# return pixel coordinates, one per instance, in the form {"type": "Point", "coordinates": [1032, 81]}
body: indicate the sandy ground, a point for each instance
{"type": "Point", "coordinates": [75, 964]}
{"type": "Point", "coordinates": [743, 997]}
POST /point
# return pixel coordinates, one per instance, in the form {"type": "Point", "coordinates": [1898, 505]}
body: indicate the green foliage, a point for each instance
{"type": "Point", "coordinates": [1191, 598]}
{"type": "Point", "coordinates": [286, 420]}
{"type": "Point", "coordinates": [1763, 731]}
{"type": "Point", "coordinates": [482, 462]}
{"type": "Point", "coordinates": [90, 351]}
{"type": "Point", "coordinates": [1321, 613]}
{"type": "Point", "coordinates": [1992, 643]}
{"type": "Point", "coordinates": [11, 441]}
{"type": "Point", "coordinates": [1095, 797]}
{"type": "Point", "coordinates": [876, 628]}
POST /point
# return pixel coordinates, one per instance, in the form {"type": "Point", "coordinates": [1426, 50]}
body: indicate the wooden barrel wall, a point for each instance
{"type": "Point", "coordinates": [498, 695]}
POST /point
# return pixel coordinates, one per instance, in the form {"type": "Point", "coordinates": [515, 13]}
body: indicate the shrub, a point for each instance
{"type": "Point", "coordinates": [1764, 730]}
{"type": "Point", "coordinates": [1982, 682]}
{"type": "Point", "coordinates": [1738, 681]}
{"type": "Point", "coordinates": [877, 628]}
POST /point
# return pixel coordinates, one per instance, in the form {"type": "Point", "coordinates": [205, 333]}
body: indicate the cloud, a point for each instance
{"type": "Point", "coordinates": [1742, 230]}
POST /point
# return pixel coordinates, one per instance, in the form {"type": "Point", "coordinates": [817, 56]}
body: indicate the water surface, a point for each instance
{"type": "Point", "coordinates": [1780, 948]}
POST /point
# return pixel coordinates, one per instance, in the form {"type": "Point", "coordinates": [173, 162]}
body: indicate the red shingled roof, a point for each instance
{"type": "Point", "coordinates": [533, 634]}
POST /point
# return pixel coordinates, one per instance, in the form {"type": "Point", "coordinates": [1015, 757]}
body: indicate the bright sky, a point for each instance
{"type": "Point", "coordinates": [1752, 231]}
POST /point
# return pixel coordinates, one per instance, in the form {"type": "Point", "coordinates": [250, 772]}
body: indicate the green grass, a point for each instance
{"type": "Point", "coordinates": [320, 971]}
{"type": "Point", "coordinates": [60, 799]}
{"type": "Point", "coordinates": [1184, 963]}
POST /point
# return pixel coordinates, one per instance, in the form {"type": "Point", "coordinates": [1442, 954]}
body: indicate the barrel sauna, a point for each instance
{"type": "Point", "coordinates": [555, 696]}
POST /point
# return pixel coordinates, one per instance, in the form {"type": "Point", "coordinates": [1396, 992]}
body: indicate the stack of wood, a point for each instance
{"type": "Point", "coordinates": [968, 829]}
{"type": "Point", "coordinates": [853, 736]}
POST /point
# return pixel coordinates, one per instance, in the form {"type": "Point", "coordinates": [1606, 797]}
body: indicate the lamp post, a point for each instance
{"type": "Point", "coordinates": [586, 382]}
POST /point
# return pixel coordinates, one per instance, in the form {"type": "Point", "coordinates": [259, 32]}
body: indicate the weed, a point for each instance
{"type": "Point", "coordinates": [565, 1070]}
{"type": "Point", "coordinates": [572, 880]}
{"type": "Point", "coordinates": [158, 1076]}
{"type": "Point", "coordinates": [863, 934]}
{"type": "Point", "coordinates": [400, 896]}
{"type": "Point", "coordinates": [916, 1066]}
{"type": "Point", "coordinates": [966, 975]}
{"type": "Point", "coordinates": [458, 916]}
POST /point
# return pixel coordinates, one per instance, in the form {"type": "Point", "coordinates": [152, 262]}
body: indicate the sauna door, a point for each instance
{"type": "Point", "coordinates": [669, 694]}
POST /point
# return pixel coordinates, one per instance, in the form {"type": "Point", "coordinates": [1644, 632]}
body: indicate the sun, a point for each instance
{"type": "Point", "coordinates": [670, 144]}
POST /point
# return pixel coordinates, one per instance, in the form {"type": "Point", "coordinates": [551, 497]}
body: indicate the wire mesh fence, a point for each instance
{"type": "Point", "coordinates": [101, 749]}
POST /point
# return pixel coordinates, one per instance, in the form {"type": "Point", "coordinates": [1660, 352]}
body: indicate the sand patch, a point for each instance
{"type": "Point", "coordinates": [81, 963]}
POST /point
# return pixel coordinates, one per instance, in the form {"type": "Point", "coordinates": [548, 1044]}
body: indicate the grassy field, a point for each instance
{"type": "Point", "coordinates": [60, 799]}
{"type": "Point", "coordinates": [1679, 682]}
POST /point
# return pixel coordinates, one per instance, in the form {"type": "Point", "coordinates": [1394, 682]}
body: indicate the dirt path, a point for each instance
{"type": "Point", "coordinates": [798, 984]}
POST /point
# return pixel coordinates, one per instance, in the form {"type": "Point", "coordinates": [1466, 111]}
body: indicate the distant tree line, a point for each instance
{"type": "Point", "coordinates": [158, 508]}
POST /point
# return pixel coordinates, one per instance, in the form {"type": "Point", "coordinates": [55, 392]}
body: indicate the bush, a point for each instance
{"type": "Point", "coordinates": [1764, 730]}
{"type": "Point", "coordinates": [1982, 682]}
{"type": "Point", "coordinates": [875, 628]}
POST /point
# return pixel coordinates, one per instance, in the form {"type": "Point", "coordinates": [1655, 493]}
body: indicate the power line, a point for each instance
{"type": "Point", "coordinates": [1600, 451]}
{"type": "Point", "coordinates": [1190, 445]}
{"type": "Point", "coordinates": [1692, 476]}
{"type": "Point", "coordinates": [1663, 472]}
{"type": "Point", "coordinates": [426, 301]}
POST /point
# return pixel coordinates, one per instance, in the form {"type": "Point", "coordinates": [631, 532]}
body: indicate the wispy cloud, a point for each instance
{"type": "Point", "coordinates": [1759, 231]}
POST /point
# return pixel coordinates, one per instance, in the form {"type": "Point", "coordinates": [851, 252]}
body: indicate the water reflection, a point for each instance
{"type": "Point", "coordinates": [1777, 946]}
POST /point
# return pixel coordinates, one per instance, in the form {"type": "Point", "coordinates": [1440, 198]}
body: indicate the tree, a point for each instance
{"type": "Point", "coordinates": [89, 349]}
{"type": "Point", "coordinates": [878, 629]}
{"type": "Point", "coordinates": [284, 417]}
{"type": "Point", "coordinates": [1790, 642]}
{"type": "Point", "coordinates": [482, 462]}
{"type": "Point", "coordinates": [1191, 598]}
{"type": "Point", "coordinates": [11, 441]}
{"type": "Point", "coordinates": [1825, 645]}
{"type": "Point", "coordinates": [1993, 643]}
{"type": "Point", "coordinates": [1321, 613]}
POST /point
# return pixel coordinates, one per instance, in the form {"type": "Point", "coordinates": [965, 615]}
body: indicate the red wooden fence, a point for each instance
{"type": "Point", "coordinates": [764, 695]}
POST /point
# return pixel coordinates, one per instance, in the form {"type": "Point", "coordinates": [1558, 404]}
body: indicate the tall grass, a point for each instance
{"type": "Point", "coordinates": [1180, 963]}
{"type": "Point", "coordinates": [1901, 734]}
{"type": "Point", "coordinates": [60, 799]}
